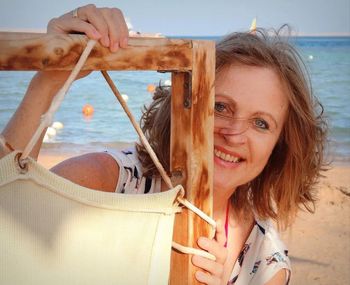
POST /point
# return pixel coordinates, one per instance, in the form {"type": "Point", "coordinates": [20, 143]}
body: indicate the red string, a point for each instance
{"type": "Point", "coordinates": [226, 222]}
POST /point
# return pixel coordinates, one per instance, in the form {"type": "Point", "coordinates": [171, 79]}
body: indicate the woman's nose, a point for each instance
{"type": "Point", "coordinates": [232, 127]}
{"type": "Point", "coordinates": [235, 139]}
{"type": "Point", "coordinates": [232, 136]}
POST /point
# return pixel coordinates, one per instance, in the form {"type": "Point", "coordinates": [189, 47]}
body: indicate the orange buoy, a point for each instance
{"type": "Point", "coordinates": [88, 110]}
{"type": "Point", "coordinates": [151, 88]}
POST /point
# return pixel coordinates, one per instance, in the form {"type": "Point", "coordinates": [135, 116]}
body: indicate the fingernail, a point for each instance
{"type": "Point", "coordinates": [200, 275]}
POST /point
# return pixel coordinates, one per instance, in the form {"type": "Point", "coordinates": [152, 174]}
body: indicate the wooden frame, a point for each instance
{"type": "Point", "coordinates": [192, 64]}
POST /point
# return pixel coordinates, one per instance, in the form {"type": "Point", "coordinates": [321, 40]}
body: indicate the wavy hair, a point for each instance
{"type": "Point", "coordinates": [288, 179]}
{"type": "Point", "coordinates": [155, 124]}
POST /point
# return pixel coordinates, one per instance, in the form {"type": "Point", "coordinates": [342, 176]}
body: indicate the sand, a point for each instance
{"type": "Point", "coordinates": [319, 243]}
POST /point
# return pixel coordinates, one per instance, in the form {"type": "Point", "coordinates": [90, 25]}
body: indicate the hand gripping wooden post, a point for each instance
{"type": "Point", "coordinates": [192, 64]}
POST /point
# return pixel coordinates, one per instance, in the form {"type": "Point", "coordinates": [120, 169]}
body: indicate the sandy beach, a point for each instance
{"type": "Point", "coordinates": [319, 243]}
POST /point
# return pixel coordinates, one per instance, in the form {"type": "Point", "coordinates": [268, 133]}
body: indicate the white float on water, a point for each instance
{"type": "Point", "coordinates": [165, 82]}
{"type": "Point", "coordinates": [125, 97]}
{"type": "Point", "coordinates": [51, 132]}
{"type": "Point", "coordinates": [311, 57]}
{"type": "Point", "coordinates": [57, 125]}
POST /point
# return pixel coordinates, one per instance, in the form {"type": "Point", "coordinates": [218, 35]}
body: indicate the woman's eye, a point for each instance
{"type": "Point", "coordinates": [261, 124]}
{"type": "Point", "coordinates": [219, 107]}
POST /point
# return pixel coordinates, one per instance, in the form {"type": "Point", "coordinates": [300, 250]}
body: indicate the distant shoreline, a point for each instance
{"type": "Point", "coordinates": [43, 30]}
{"type": "Point", "coordinates": [293, 36]}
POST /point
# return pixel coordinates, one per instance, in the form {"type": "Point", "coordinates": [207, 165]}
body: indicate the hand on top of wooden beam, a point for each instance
{"type": "Point", "coordinates": [30, 51]}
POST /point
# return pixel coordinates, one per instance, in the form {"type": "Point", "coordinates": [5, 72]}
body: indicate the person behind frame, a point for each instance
{"type": "Point", "coordinates": [269, 136]}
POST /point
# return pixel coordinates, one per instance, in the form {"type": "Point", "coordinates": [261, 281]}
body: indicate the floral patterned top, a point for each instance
{"type": "Point", "coordinates": [263, 254]}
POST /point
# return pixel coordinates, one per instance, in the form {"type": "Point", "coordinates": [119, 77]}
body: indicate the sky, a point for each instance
{"type": "Point", "coordinates": [194, 17]}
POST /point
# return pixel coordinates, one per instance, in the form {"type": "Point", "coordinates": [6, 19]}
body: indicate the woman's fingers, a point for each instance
{"type": "Point", "coordinates": [213, 269]}
{"type": "Point", "coordinates": [207, 278]}
{"type": "Point", "coordinates": [62, 26]}
{"type": "Point", "coordinates": [208, 265]}
{"type": "Point", "coordinates": [117, 28]}
{"type": "Point", "coordinates": [94, 16]}
{"type": "Point", "coordinates": [104, 24]}
{"type": "Point", "coordinates": [215, 248]}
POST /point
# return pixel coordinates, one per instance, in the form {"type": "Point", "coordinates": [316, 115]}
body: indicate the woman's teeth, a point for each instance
{"type": "Point", "coordinates": [226, 157]}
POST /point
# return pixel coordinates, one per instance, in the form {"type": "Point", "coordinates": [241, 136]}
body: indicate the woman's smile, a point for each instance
{"type": "Point", "coordinates": [227, 158]}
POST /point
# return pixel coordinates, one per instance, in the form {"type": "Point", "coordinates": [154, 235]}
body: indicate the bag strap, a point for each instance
{"type": "Point", "coordinates": [47, 118]}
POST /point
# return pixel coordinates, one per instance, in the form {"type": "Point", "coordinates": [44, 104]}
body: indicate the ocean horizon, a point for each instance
{"type": "Point", "coordinates": [327, 58]}
{"type": "Point", "coordinates": [294, 33]}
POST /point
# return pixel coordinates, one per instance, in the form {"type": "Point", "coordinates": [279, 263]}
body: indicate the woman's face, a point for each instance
{"type": "Point", "coordinates": [250, 109]}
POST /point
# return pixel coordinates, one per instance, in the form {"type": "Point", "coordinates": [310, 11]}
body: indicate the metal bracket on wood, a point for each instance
{"type": "Point", "coordinates": [188, 90]}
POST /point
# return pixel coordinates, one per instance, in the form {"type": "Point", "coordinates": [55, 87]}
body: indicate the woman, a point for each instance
{"type": "Point", "coordinates": [268, 145]}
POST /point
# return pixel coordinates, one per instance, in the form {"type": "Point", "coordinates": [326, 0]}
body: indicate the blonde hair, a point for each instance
{"type": "Point", "coordinates": [287, 181]}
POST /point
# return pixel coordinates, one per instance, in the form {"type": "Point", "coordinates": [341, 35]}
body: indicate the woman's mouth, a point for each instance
{"type": "Point", "coordinates": [227, 157]}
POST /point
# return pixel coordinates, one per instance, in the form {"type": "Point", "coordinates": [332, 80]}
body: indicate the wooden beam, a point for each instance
{"type": "Point", "coordinates": [30, 51]}
{"type": "Point", "coordinates": [192, 153]}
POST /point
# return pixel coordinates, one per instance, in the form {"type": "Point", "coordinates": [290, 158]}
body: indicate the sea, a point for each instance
{"type": "Point", "coordinates": [327, 59]}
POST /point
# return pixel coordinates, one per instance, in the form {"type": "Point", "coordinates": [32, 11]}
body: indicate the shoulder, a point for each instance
{"type": "Point", "coordinates": [272, 238]}
{"type": "Point", "coordinates": [98, 171]}
{"type": "Point", "coordinates": [131, 176]}
{"type": "Point", "coordinates": [274, 263]}
{"type": "Point", "coordinates": [280, 278]}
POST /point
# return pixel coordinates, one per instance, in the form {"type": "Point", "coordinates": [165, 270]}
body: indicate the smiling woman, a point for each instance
{"type": "Point", "coordinates": [269, 137]}
{"type": "Point", "coordinates": [268, 146]}
{"type": "Point", "coordinates": [279, 87]}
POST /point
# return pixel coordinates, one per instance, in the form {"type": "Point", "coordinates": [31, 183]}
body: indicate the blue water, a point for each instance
{"type": "Point", "coordinates": [327, 58]}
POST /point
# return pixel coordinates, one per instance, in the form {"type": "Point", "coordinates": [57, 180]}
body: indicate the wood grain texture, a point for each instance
{"type": "Point", "coordinates": [192, 154]}
{"type": "Point", "coordinates": [25, 51]}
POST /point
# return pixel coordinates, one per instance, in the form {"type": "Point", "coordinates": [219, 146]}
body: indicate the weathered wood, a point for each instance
{"type": "Point", "coordinates": [192, 154]}
{"type": "Point", "coordinates": [179, 153]}
{"type": "Point", "coordinates": [25, 51]}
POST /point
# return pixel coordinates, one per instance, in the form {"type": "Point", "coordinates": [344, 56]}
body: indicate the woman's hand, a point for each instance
{"type": "Point", "coordinates": [213, 269]}
{"type": "Point", "coordinates": [107, 25]}
{"type": "Point", "coordinates": [104, 24]}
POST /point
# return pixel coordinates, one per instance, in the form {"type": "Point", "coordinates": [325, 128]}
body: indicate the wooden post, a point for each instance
{"type": "Point", "coordinates": [192, 64]}
{"type": "Point", "coordinates": [192, 152]}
